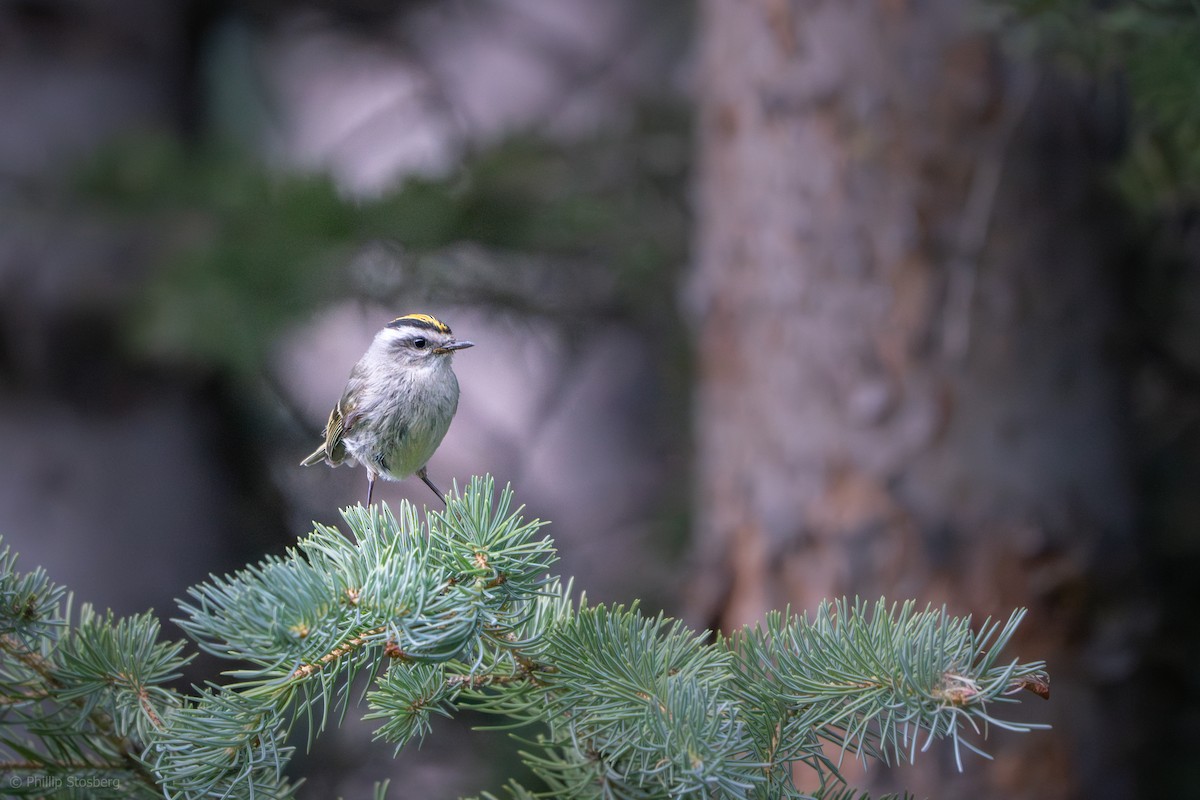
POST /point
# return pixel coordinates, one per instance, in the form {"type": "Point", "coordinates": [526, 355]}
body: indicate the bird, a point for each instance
{"type": "Point", "coordinates": [398, 403]}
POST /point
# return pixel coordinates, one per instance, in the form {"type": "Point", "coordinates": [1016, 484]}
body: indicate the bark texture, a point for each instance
{"type": "Point", "coordinates": [906, 386]}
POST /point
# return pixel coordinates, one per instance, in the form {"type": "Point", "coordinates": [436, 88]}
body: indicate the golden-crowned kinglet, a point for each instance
{"type": "Point", "coordinates": [397, 404]}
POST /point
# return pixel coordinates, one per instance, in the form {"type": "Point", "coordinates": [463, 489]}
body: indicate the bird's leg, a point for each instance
{"type": "Point", "coordinates": [370, 486]}
{"type": "Point", "coordinates": [423, 475]}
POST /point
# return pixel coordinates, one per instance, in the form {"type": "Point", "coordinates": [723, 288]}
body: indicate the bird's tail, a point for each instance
{"type": "Point", "coordinates": [316, 457]}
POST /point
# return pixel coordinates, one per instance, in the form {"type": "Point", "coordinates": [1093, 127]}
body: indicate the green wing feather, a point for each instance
{"type": "Point", "coordinates": [333, 449]}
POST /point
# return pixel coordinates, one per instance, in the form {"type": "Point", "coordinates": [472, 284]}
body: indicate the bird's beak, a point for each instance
{"type": "Point", "coordinates": [452, 346]}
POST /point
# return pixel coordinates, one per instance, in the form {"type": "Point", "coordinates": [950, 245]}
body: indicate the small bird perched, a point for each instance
{"type": "Point", "coordinates": [397, 404]}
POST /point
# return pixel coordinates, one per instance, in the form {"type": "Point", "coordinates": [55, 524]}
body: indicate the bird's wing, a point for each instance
{"type": "Point", "coordinates": [341, 421]}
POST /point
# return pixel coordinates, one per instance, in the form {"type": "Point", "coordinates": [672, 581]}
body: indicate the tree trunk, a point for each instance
{"type": "Point", "coordinates": [904, 386]}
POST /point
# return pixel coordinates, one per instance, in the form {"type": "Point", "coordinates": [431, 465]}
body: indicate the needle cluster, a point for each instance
{"type": "Point", "coordinates": [405, 616]}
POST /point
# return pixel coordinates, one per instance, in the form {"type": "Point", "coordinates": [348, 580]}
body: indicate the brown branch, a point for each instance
{"type": "Point", "coordinates": [148, 708]}
{"type": "Point", "coordinates": [527, 670]}
{"type": "Point", "coordinates": [1039, 684]}
{"type": "Point", "coordinates": [307, 670]}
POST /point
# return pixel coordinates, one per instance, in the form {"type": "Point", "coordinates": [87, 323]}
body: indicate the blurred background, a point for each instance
{"type": "Point", "coordinates": [773, 301]}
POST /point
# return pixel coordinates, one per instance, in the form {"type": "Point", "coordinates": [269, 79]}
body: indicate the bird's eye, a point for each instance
{"type": "Point", "coordinates": [419, 343]}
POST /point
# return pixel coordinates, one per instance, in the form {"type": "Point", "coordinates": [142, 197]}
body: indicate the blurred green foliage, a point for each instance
{"type": "Point", "coordinates": [235, 253]}
{"type": "Point", "coordinates": [1152, 49]}
{"type": "Point", "coordinates": [574, 231]}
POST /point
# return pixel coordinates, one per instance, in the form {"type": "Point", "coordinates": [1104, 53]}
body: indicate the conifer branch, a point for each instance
{"type": "Point", "coordinates": [37, 683]}
{"type": "Point", "coordinates": [454, 610]}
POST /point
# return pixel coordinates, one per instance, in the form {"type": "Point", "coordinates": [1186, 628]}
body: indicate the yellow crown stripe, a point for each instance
{"type": "Point", "coordinates": [421, 320]}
